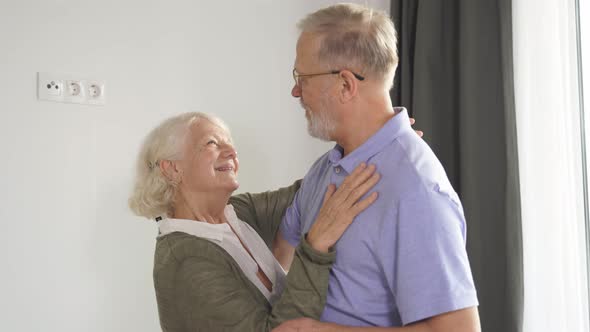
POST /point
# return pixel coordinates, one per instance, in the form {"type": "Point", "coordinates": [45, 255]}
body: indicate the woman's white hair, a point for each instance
{"type": "Point", "coordinates": [153, 193]}
{"type": "Point", "coordinates": [354, 37]}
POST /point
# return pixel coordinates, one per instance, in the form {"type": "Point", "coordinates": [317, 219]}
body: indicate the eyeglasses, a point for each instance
{"type": "Point", "coordinates": [297, 76]}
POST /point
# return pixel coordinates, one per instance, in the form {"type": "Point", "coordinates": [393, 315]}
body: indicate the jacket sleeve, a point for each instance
{"type": "Point", "coordinates": [264, 211]}
{"type": "Point", "coordinates": [212, 296]}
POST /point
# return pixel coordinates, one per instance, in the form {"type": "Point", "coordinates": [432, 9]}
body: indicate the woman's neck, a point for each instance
{"type": "Point", "coordinates": [207, 207]}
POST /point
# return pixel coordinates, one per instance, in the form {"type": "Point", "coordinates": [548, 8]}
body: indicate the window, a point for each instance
{"type": "Point", "coordinates": [551, 158]}
{"type": "Point", "coordinates": [583, 14]}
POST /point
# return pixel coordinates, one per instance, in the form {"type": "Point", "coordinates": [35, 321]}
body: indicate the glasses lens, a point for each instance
{"type": "Point", "coordinates": [295, 77]}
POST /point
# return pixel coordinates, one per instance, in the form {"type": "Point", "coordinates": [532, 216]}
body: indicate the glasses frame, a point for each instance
{"type": "Point", "coordinates": [296, 75]}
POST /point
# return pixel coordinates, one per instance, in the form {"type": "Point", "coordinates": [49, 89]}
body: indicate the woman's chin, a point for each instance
{"type": "Point", "coordinates": [229, 183]}
{"type": "Point", "coordinates": [233, 185]}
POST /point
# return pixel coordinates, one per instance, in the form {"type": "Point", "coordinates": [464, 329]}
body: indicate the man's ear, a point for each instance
{"type": "Point", "coordinates": [171, 171]}
{"type": "Point", "coordinates": [349, 86]}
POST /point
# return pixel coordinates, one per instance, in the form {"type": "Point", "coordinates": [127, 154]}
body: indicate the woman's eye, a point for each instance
{"type": "Point", "coordinates": [211, 142]}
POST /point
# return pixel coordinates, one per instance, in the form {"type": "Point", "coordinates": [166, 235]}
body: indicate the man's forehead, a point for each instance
{"type": "Point", "coordinates": [307, 47]}
{"type": "Point", "coordinates": [309, 39]}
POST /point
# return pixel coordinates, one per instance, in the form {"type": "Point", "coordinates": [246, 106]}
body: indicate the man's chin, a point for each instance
{"type": "Point", "coordinates": [319, 136]}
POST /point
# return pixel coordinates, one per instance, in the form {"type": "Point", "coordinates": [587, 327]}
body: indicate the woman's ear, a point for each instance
{"type": "Point", "coordinates": [171, 171]}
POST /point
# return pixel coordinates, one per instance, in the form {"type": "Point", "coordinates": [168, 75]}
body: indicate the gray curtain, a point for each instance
{"type": "Point", "coordinates": [455, 77]}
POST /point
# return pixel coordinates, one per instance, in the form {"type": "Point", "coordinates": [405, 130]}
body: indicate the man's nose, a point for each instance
{"type": "Point", "coordinates": [296, 91]}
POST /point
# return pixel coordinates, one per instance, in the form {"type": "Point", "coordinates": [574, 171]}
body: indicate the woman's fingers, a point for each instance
{"type": "Point", "coordinates": [356, 172]}
{"type": "Point", "coordinates": [343, 190]}
{"type": "Point", "coordinates": [329, 192]}
{"type": "Point", "coordinates": [362, 189]}
{"type": "Point", "coordinates": [341, 205]}
{"type": "Point", "coordinates": [355, 179]}
{"type": "Point", "coordinates": [363, 204]}
{"type": "Point", "coordinates": [357, 184]}
{"type": "Point", "coordinates": [419, 132]}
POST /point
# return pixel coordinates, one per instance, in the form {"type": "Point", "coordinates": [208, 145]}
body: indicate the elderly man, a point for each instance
{"type": "Point", "coordinates": [403, 261]}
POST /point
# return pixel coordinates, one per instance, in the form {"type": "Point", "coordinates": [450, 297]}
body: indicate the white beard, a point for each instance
{"type": "Point", "coordinates": [319, 124]}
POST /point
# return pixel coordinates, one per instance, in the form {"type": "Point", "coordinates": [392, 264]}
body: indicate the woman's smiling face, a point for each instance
{"type": "Point", "coordinates": [210, 160]}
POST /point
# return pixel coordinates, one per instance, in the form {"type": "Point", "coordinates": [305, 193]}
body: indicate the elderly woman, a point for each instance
{"type": "Point", "coordinates": [213, 270]}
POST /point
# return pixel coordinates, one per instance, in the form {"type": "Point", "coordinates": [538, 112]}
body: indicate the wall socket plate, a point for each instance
{"type": "Point", "coordinates": [65, 88]}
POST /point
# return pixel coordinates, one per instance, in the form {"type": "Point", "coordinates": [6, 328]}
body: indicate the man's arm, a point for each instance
{"type": "Point", "coordinates": [464, 320]}
{"type": "Point", "coordinates": [264, 211]}
{"type": "Point", "coordinates": [283, 251]}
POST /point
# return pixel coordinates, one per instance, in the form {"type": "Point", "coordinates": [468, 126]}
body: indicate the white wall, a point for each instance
{"type": "Point", "coordinates": [73, 257]}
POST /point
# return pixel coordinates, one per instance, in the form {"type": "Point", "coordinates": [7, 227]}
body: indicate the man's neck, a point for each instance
{"type": "Point", "coordinates": [360, 123]}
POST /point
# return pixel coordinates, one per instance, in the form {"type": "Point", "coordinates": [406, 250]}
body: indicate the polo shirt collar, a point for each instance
{"type": "Point", "coordinates": [392, 129]}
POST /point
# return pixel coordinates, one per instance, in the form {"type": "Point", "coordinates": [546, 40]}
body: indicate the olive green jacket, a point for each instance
{"type": "Point", "coordinates": [199, 286]}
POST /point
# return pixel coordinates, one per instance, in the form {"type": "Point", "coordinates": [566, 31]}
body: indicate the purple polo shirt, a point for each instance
{"type": "Point", "coordinates": [403, 259]}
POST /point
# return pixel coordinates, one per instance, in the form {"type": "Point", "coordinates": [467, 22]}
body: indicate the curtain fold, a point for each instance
{"type": "Point", "coordinates": [455, 77]}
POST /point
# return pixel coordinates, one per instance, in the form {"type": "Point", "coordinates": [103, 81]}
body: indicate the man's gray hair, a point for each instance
{"type": "Point", "coordinates": [153, 193]}
{"type": "Point", "coordinates": [354, 37]}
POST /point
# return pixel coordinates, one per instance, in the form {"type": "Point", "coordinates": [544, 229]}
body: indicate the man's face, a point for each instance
{"type": "Point", "coordinates": [314, 92]}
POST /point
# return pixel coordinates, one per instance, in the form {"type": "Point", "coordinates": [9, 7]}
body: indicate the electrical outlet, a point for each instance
{"type": "Point", "coordinates": [74, 88]}
{"type": "Point", "coordinates": [74, 92]}
{"type": "Point", "coordinates": [69, 89]}
{"type": "Point", "coordinates": [54, 88]}
{"type": "Point", "coordinates": [49, 87]}
{"type": "Point", "coordinates": [96, 92]}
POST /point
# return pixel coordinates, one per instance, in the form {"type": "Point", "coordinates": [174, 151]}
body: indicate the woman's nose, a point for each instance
{"type": "Point", "coordinates": [229, 151]}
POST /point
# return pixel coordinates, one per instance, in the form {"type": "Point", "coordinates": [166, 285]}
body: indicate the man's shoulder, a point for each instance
{"type": "Point", "coordinates": [317, 169]}
{"type": "Point", "coordinates": [411, 164]}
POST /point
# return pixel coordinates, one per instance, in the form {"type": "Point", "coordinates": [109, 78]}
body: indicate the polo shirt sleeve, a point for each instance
{"type": "Point", "coordinates": [431, 272]}
{"type": "Point", "coordinates": [291, 223]}
{"type": "Point", "coordinates": [264, 211]}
